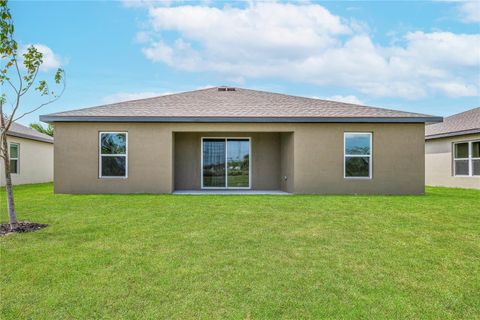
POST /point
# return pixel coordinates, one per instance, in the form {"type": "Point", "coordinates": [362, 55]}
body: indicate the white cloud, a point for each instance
{"type": "Point", "coordinates": [126, 96]}
{"type": "Point", "coordinates": [347, 99]}
{"type": "Point", "coordinates": [144, 3]}
{"type": "Point", "coordinates": [50, 59]}
{"type": "Point", "coordinates": [456, 89]}
{"type": "Point", "coordinates": [142, 37]}
{"type": "Point", "coordinates": [306, 43]}
{"type": "Point", "coordinates": [470, 11]}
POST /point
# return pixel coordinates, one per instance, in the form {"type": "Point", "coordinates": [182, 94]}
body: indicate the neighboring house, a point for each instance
{"type": "Point", "coordinates": [452, 151]}
{"type": "Point", "coordinates": [232, 138]}
{"type": "Point", "coordinates": [31, 156]}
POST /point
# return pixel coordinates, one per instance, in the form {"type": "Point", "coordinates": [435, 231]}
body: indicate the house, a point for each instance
{"type": "Point", "coordinates": [31, 156]}
{"type": "Point", "coordinates": [452, 151]}
{"type": "Point", "coordinates": [232, 138]}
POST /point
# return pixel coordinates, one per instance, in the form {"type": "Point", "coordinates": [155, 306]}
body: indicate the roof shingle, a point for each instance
{"type": "Point", "coordinates": [21, 131]}
{"type": "Point", "coordinates": [458, 124]}
{"type": "Point", "coordinates": [240, 105]}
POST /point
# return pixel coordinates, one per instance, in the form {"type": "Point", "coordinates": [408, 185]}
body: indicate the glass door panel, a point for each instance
{"type": "Point", "coordinates": [238, 163]}
{"type": "Point", "coordinates": [214, 163]}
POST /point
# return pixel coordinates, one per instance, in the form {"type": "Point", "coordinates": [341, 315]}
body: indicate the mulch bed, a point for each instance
{"type": "Point", "coordinates": [21, 227]}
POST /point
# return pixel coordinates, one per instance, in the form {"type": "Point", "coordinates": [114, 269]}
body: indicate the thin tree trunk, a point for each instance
{"type": "Point", "coordinates": [8, 184]}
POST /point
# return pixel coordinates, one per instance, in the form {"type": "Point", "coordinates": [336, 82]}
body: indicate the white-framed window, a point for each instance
{"type": "Point", "coordinates": [466, 158]}
{"type": "Point", "coordinates": [357, 155]}
{"type": "Point", "coordinates": [14, 158]}
{"type": "Point", "coordinates": [113, 154]}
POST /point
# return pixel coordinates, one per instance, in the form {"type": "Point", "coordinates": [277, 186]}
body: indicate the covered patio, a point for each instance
{"type": "Point", "coordinates": [233, 162]}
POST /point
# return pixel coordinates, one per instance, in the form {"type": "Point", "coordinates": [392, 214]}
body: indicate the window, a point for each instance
{"type": "Point", "coordinates": [358, 155]}
{"type": "Point", "coordinates": [14, 158]}
{"type": "Point", "coordinates": [113, 148]}
{"type": "Point", "coordinates": [466, 159]}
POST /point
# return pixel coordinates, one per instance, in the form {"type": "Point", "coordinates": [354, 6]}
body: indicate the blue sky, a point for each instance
{"type": "Point", "coordinates": [415, 56]}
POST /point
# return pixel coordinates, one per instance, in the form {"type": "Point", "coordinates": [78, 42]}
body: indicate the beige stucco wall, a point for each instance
{"type": "Point", "coordinates": [439, 163]}
{"type": "Point", "coordinates": [36, 162]}
{"type": "Point", "coordinates": [314, 163]}
{"type": "Point", "coordinates": [398, 166]}
{"type": "Point", "coordinates": [286, 164]}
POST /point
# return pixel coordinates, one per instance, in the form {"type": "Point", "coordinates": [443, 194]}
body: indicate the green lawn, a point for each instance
{"type": "Point", "coordinates": [184, 257]}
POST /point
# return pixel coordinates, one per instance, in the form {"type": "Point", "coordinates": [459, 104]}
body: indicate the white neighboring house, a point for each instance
{"type": "Point", "coordinates": [452, 151]}
{"type": "Point", "coordinates": [31, 156]}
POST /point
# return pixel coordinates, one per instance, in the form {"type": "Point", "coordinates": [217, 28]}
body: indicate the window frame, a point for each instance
{"type": "Point", "coordinates": [370, 156]}
{"type": "Point", "coordinates": [17, 158]}
{"type": "Point", "coordinates": [100, 155]}
{"type": "Point", "coordinates": [469, 158]}
{"type": "Point", "coordinates": [226, 163]}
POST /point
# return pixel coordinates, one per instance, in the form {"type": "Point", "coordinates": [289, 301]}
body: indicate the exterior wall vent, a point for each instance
{"type": "Point", "coordinates": [226, 89]}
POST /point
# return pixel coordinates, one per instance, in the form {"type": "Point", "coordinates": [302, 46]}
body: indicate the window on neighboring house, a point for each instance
{"type": "Point", "coordinates": [113, 155]}
{"type": "Point", "coordinates": [358, 155]}
{"type": "Point", "coordinates": [466, 159]}
{"type": "Point", "coordinates": [14, 158]}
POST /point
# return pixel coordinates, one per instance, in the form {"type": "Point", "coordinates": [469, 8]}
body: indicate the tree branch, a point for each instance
{"type": "Point", "coordinates": [11, 84]}
{"type": "Point", "coordinates": [30, 83]}
{"type": "Point", "coordinates": [17, 101]}
{"type": "Point", "coordinates": [45, 103]}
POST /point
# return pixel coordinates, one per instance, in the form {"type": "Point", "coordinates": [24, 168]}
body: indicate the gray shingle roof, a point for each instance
{"type": "Point", "coordinates": [21, 131]}
{"type": "Point", "coordinates": [241, 105]}
{"type": "Point", "coordinates": [461, 123]}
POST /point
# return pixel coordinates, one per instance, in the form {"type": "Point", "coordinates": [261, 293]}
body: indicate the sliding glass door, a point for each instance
{"type": "Point", "coordinates": [226, 163]}
{"type": "Point", "coordinates": [238, 163]}
{"type": "Point", "coordinates": [214, 163]}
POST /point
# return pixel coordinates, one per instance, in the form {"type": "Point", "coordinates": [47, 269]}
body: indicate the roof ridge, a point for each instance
{"type": "Point", "coordinates": [327, 100]}
{"type": "Point", "coordinates": [134, 100]}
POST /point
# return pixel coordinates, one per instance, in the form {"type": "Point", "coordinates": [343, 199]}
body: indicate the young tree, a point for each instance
{"type": "Point", "coordinates": [18, 75]}
{"type": "Point", "coordinates": [46, 130]}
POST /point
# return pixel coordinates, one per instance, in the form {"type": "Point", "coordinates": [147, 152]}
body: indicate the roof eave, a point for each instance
{"type": "Point", "coordinates": [452, 134]}
{"type": "Point", "coordinates": [29, 137]}
{"type": "Point", "coordinates": [58, 118]}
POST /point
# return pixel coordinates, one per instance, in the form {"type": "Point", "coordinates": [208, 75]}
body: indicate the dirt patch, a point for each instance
{"type": "Point", "coordinates": [21, 227]}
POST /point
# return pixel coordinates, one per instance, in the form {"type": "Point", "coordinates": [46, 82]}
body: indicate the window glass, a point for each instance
{"type": "Point", "coordinates": [13, 166]}
{"type": "Point", "coordinates": [357, 143]}
{"type": "Point", "coordinates": [113, 154]}
{"type": "Point", "coordinates": [113, 143]}
{"type": "Point", "coordinates": [476, 149]}
{"type": "Point", "coordinates": [214, 163]}
{"type": "Point", "coordinates": [357, 166]}
{"type": "Point", "coordinates": [461, 167]}
{"type": "Point", "coordinates": [113, 166]}
{"type": "Point", "coordinates": [13, 150]}
{"type": "Point", "coordinates": [14, 155]}
{"type": "Point", "coordinates": [357, 155]}
{"type": "Point", "coordinates": [238, 162]}
{"type": "Point", "coordinates": [461, 150]}
{"type": "Point", "coordinates": [476, 167]}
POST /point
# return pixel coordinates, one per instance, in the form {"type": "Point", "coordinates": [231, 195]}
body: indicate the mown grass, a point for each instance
{"type": "Point", "coordinates": [259, 257]}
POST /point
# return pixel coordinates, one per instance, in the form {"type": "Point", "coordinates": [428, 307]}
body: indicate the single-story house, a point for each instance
{"type": "Point", "coordinates": [452, 151]}
{"type": "Point", "coordinates": [232, 138]}
{"type": "Point", "coordinates": [31, 156]}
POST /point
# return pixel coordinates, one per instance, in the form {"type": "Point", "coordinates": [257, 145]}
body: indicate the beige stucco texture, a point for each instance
{"type": "Point", "coordinates": [163, 157]}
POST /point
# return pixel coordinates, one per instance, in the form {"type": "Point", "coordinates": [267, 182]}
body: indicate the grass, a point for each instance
{"type": "Point", "coordinates": [267, 257]}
